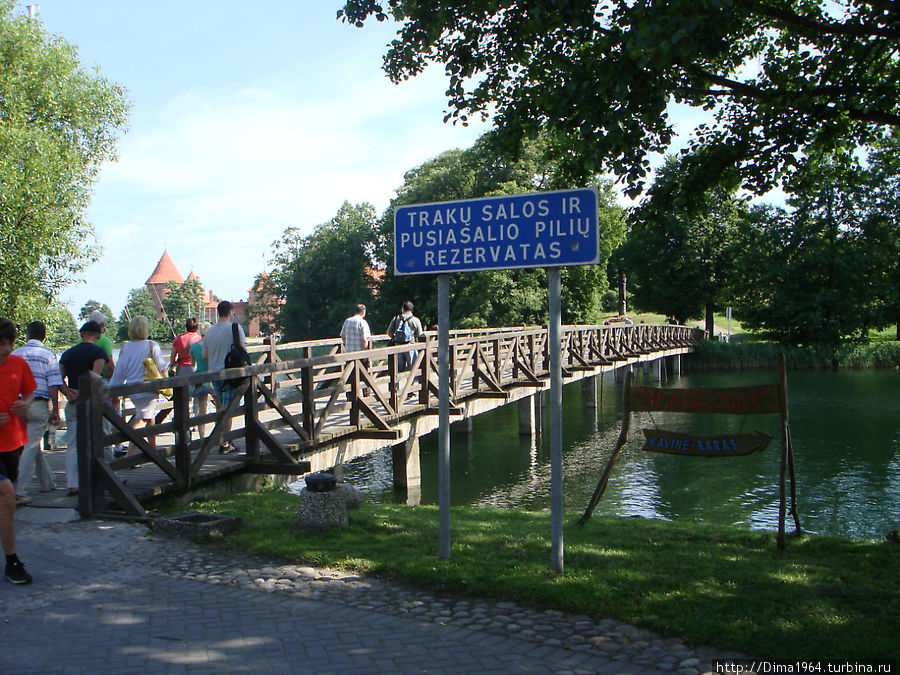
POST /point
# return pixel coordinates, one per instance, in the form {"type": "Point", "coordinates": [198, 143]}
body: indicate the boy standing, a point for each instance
{"type": "Point", "coordinates": [17, 387]}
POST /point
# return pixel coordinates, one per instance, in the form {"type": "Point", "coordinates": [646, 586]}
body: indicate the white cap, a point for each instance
{"type": "Point", "coordinates": [97, 316]}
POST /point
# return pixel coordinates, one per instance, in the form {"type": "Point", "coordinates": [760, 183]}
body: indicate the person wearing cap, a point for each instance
{"type": "Point", "coordinates": [83, 358]}
{"type": "Point", "coordinates": [104, 342]}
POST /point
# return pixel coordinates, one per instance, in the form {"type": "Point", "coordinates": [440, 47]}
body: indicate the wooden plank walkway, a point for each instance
{"type": "Point", "coordinates": [316, 411]}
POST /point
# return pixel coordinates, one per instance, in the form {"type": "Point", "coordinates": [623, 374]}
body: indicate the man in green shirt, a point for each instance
{"type": "Point", "coordinates": [104, 342]}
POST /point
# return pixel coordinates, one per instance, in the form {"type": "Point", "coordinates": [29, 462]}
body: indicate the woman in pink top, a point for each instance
{"type": "Point", "coordinates": [180, 358]}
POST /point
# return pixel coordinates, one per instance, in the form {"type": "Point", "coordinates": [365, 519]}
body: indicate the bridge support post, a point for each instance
{"type": "Point", "coordinates": [676, 365]}
{"type": "Point", "coordinates": [463, 426]}
{"type": "Point", "coordinates": [657, 367]}
{"type": "Point", "coordinates": [529, 409]}
{"type": "Point", "coordinates": [589, 392]}
{"type": "Point", "coordinates": [407, 472]}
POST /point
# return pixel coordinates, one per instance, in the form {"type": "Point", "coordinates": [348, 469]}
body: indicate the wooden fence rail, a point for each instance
{"type": "Point", "coordinates": [298, 395]}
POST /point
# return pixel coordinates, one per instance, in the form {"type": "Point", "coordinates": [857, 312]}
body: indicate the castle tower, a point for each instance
{"type": "Point", "coordinates": [165, 271]}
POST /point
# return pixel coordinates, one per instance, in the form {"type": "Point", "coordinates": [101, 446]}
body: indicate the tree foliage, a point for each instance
{"type": "Point", "coordinates": [265, 305]}
{"type": "Point", "coordinates": [140, 303]}
{"type": "Point", "coordinates": [825, 271]}
{"type": "Point", "coordinates": [779, 76]}
{"type": "Point", "coordinates": [322, 276]}
{"type": "Point", "coordinates": [95, 305]}
{"type": "Point", "coordinates": [499, 297]}
{"type": "Point", "coordinates": [677, 249]}
{"type": "Point", "coordinates": [58, 125]}
{"type": "Point", "coordinates": [183, 300]}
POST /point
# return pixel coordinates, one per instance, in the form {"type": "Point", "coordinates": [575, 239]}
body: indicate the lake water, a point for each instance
{"type": "Point", "coordinates": [845, 428]}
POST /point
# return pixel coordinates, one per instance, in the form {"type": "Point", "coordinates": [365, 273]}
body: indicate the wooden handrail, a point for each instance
{"type": "Point", "coordinates": [366, 383]}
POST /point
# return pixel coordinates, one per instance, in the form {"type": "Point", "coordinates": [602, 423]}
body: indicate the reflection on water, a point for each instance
{"type": "Point", "coordinates": [846, 434]}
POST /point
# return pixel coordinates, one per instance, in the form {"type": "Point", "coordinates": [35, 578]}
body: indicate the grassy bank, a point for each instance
{"type": "Point", "coordinates": [748, 354]}
{"type": "Point", "coordinates": [822, 598]}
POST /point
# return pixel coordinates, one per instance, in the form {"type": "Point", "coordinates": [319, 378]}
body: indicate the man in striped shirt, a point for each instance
{"type": "Point", "coordinates": [44, 408]}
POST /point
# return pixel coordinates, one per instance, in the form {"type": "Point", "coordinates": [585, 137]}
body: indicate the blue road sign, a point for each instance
{"type": "Point", "coordinates": [545, 229]}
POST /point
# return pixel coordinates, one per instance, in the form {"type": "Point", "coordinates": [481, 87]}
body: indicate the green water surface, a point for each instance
{"type": "Point", "coordinates": [845, 427]}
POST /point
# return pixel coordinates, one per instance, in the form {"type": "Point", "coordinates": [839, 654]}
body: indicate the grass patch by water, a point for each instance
{"type": "Point", "coordinates": [823, 597]}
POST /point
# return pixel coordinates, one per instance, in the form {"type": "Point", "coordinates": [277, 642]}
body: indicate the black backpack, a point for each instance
{"type": "Point", "coordinates": [237, 356]}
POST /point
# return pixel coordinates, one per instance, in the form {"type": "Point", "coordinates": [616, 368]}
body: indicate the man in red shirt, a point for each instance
{"type": "Point", "coordinates": [17, 387]}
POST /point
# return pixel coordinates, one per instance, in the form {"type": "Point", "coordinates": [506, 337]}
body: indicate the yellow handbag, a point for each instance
{"type": "Point", "coordinates": [151, 372]}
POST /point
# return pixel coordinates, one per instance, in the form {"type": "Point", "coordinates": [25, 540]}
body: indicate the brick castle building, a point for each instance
{"type": "Point", "coordinates": [166, 271]}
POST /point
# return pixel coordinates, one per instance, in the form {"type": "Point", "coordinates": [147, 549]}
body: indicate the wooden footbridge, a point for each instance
{"type": "Point", "coordinates": [306, 407]}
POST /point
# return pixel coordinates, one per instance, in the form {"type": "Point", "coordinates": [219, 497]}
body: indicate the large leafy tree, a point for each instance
{"type": "Point", "coordinates": [140, 303]}
{"type": "Point", "coordinates": [817, 274]}
{"type": "Point", "coordinates": [677, 252]}
{"type": "Point", "coordinates": [780, 76]}
{"type": "Point", "coordinates": [58, 125]}
{"type": "Point", "coordinates": [183, 300]}
{"type": "Point", "coordinates": [94, 305]}
{"type": "Point", "coordinates": [265, 304]}
{"type": "Point", "coordinates": [500, 297]}
{"type": "Point", "coordinates": [883, 195]}
{"type": "Point", "coordinates": [322, 276]}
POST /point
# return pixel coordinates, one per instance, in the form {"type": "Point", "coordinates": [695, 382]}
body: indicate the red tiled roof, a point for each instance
{"type": "Point", "coordinates": [165, 271]}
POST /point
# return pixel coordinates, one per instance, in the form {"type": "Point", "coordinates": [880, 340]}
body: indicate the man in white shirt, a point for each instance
{"type": "Point", "coordinates": [216, 344]}
{"type": "Point", "coordinates": [356, 336]}
{"type": "Point", "coordinates": [44, 408]}
{"type": "Point", "coordinates": [355, 332]}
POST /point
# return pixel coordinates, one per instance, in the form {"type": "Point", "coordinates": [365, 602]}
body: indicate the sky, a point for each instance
{"type": "Point", "coordinates": [245, 119]}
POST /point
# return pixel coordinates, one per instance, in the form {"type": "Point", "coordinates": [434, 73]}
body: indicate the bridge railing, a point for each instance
{"type": "Point", "coordinates": [298, 395]}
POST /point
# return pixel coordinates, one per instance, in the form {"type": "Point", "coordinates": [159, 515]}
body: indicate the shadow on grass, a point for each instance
{"type": "Point", "coordinates": [821, 598]}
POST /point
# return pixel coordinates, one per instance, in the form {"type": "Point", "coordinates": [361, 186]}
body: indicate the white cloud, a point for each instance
{"type": "Point", "coordinates": [216, 176]}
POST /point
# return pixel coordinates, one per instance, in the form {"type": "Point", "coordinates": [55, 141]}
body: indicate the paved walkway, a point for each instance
{"type": "Point", "coordinates": [110, 597]}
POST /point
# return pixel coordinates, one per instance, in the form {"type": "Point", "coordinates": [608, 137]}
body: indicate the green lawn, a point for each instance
{"type": "Point", "coordinates": [721, 586]}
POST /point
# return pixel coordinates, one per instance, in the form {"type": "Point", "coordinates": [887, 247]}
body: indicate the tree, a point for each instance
{"type": "Point", "coordinates": [183, 300]}
{"type": "Point", "coordinates": [676, 251]}
{"type": "Point", "coordinates": [816, 275]}
{"type": "Point", "coordinates": [883, 194]}
{"type": "Point", "coordinates": [140, 303]}
{"type": "Point", "coordinates": [92, 306]}
{"type": "Point", "coordinates": [58, 125]}
{"type": "Point", "coordinates": [264, 304]}
{"type": "Point", "coordinates": [499, 297]}
{"type": "Point", "coordinates": [780, 77]}
{"type": "Point", "coordinates": [62, 331]}
{"type": "Point", "coordinates": [322, 276]}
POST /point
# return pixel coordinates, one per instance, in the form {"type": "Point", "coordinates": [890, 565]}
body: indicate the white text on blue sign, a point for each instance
{"type": "Point", "coordinates": [550, 229]}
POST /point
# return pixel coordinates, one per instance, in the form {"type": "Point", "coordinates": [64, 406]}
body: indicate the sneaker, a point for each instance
{"type": "Point", "coordinates": [119, 452]}
{"type": "Point", "coordinates": [22, 500]}
{"type": "Point", "coordinates": [228, 449]}
{"type": "Point", "coordinates": [17, 574]}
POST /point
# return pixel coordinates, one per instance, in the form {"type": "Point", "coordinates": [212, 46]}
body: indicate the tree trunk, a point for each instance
{"type": "Point", "coordinates": [710, 321]}
{"type": "Point", "coordinates": [623, 282]}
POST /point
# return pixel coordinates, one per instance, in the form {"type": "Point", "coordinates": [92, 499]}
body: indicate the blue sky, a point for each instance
{"type": "Point", "coordinates": [246, 119]}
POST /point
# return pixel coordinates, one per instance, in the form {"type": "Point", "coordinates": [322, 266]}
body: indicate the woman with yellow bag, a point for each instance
{"type": "Point", "coordinates": [140, 359]}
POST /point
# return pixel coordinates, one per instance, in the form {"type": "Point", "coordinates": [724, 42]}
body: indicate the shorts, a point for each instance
{"type": "Point", "coordinates": [9, 465]}
{"type": "Point", "coordinates": [145, 408]}
{"type": "Point", "coordinates": [205, 389]}
{"type": "Point", "coordinates": [224, 392]}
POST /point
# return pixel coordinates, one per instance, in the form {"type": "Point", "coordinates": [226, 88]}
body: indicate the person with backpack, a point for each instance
{"type": "Point", "coordinates": [405, 328]}
{"type": "Point", "coordinates": [220, 340]}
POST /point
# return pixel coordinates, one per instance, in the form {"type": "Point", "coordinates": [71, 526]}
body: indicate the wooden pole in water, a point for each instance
{"type": "Point", "coordinates": [623, 438]}
{"type": "Point", "coordinates": [782, 404]}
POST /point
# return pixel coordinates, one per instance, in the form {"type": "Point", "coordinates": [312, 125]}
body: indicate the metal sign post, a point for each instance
{"type": "Point", "coordinates": [444, 413]}
{"type": "Point", "coordinates": [546, 229]}
{"type": "Point", "coordinates": [556, 473]}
